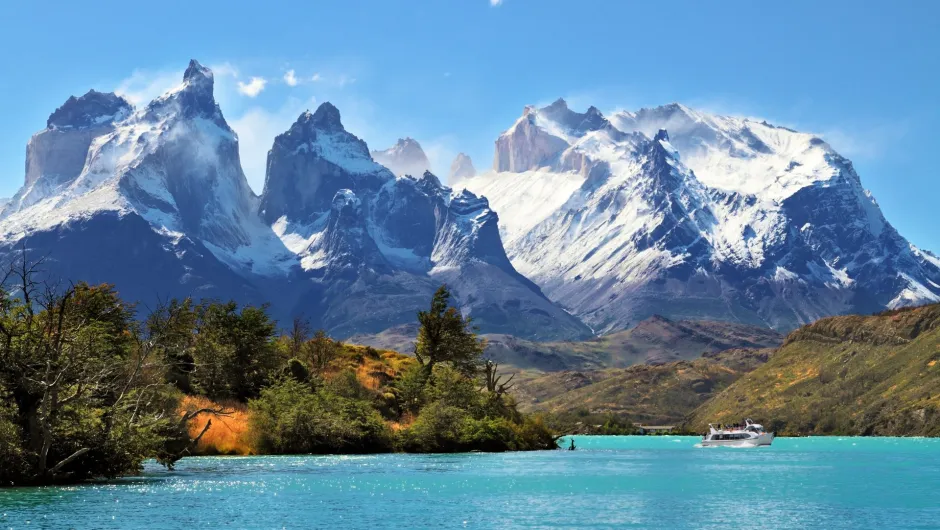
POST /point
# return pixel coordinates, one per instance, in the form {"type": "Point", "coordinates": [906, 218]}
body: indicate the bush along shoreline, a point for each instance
{"type": "Point", "coordinates": [90, 389]}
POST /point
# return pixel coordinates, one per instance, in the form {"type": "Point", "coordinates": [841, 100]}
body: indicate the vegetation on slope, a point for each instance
{"type": "Point", "coordinates": [848, 375]}
{"type": "Point", "coordinates": [655, 340]}
{"type": "Point", "coordinates": [644, 393]}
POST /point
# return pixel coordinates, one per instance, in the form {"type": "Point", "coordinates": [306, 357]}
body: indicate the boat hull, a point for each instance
{"type": "Point", "coordinates": [764, 439]}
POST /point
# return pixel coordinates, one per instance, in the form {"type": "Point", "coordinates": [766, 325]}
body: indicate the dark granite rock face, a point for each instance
{"type": "Point", "coordinates": [55, 156]}
{"type": "Point", "coordinates": [92, 109]}
{"type": "Point", "coordinates": [388, 242]}
{"type": "Point", "coordinates": [310, 162]}
{"type": "Point", "coordinates": [194, 98]}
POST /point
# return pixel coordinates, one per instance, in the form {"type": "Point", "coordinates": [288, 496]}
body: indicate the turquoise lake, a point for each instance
{"type": "Point", "coordinates": [609, 482]}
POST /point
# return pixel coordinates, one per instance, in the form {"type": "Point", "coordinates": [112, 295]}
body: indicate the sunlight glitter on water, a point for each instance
{"type": "Point", "coordinates": [638, 482]}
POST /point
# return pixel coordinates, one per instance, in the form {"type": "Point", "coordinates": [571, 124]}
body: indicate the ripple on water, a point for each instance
{"type": "Point", "coordinates": [638, 482]}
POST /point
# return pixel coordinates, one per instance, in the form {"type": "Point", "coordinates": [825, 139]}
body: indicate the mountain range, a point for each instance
{"type": "Point", "coordinates": [689, 215]}
{"type": "Point", "coordinates": [587, 224]}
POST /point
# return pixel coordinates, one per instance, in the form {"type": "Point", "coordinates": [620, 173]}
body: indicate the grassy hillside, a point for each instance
{"type": "Point", "coordinates": [652, 394]}
{"type": "Point", "coordinates": [862, 375]}
{"type": "Point", "coordinates": [656, 340]}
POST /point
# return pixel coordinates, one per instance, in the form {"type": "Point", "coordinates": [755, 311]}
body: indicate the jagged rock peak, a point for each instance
{"type": "Point", "coordinates": [194, 97]}
{"type": "Point", "coordinates": [404, 158]}
{"type": "Point", "coordinates": [326, 118]}
{"type": "Point", "coordinates": [405, 149]}
{"type": "Point", "coordinates": [661, 149]}
{"type": "Point", "coordinates": [197, 73]}
{"type": "Point", "coordinates": [590, 120]}
{"type": "Point", "coordinates": [94, 108]}
{"type": "Point", "coordinates": [407, 143]}
{"type": "Point", "coordinates": [465, 202]}
{"type": "Point", "coordinates": [430, 180]}
{"type": "Point", "coordinates": [557, 105]}
{"type": "Point", "coordinates": [462, 167]}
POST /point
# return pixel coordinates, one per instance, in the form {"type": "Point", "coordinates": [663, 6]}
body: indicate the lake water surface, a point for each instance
{"type": "Point", "coordinates": [609, 482]}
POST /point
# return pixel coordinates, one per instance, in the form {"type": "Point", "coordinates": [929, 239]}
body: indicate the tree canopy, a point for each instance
{"type": "Point", "coordinates": [446, 336]}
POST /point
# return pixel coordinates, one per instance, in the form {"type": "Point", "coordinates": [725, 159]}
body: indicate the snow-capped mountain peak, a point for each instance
{"type": "Point", "coordinates": [310, 162]}
{"type": "Point", "coordinates": [174, 163]}
{"type": "Point", "coordinates": [738, 154]}
{"type": "Point", "coordinates": [194, 97]}
{"type": "Point", "coordinates": [404, 158]}
{"type": "Point", "coordinates": [720, 217]}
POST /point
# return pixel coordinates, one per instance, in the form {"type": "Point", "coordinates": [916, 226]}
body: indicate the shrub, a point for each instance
{"type": "Point", "coordinates": [289, 418]}
{"type": "Point", "coordinates": [437, 429]}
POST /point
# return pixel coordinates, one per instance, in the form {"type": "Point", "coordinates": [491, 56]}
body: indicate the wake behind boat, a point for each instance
{"type": "Point", "coordinates": [748, 435]}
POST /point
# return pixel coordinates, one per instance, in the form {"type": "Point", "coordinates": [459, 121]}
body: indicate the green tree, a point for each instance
{"type": "Point", "coordinates": [321, 350]}
{"type": "Point", "coordinates": [84, 388]}
{"type": "Point", "coordinates": [446, 337]}
{"type": "Point", "coordinates": [234, 353]}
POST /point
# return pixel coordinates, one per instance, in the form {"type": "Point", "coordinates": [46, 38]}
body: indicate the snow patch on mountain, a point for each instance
{"type": "Point", "coordinates": [174, 162]}
{"type": "Point", "coordinates": [523, 199]}
{"type": "Point", "coordinates": [737, 154]}
{"type": "Point", "coordinates": [683, 213]}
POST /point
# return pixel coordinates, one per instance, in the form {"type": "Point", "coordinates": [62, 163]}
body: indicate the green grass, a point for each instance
{"type": "Point", "coordinates": [851, 375]}
{"type": "Point", "coordinates": [650, 394]}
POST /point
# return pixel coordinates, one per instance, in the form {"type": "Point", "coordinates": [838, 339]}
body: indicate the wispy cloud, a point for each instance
{"type": "Point", "coordinates": [495, 3]}
{"type": "Point", "coordinates": [871, 142]}
{"type": "Point", "coordinates": [441, 151]}
{"type": "Point", "coordinates": [316, 77]}
{"type": "Point", "coordinates": [290, 78]}
{"type": "Point", "coordinates": [144, 85]}
{"type": "Point", "coordinates": [253, 87]}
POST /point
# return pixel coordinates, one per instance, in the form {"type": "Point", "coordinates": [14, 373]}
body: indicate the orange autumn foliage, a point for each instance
{"type": "Point", "coordinates": [228, 435]}
{"type": "Point", "coordinates": [231, 434]}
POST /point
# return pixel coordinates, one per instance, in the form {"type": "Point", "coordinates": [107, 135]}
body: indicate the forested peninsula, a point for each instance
{"type": "Point", "coordinates": [91, 385]}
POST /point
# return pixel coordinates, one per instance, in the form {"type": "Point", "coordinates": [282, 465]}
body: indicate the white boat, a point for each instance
{"type": "Point", "coordinates": [748, 435]}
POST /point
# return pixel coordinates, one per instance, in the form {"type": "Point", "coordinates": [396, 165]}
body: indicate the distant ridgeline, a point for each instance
{"type": "Point", "coordinates": [849, 375]}
{"type": "Point", "coordinates": [853, 375]}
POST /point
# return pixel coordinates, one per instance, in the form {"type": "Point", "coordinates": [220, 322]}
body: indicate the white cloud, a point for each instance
{"type": "Point", "coordinates": [224, 70]}
{"type": "Point", "coordinates": [441, 152]}
{"type": "Point", "coordinates": [252, 88]}
{"type": "Point", "coordinates": [867, 142]}
{"type": "Point", "coordinates": [495, 2]}
{"type": "Point", "coordinates": [316, 77]}
{"type": "Point", "coordinates": [144, 85]}
{"type": "Point", "coordinates": [290, 78]}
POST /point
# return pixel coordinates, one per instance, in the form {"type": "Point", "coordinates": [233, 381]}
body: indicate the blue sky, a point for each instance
{"type": "Point", "coordinates": [453, 74]}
